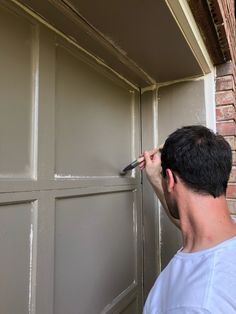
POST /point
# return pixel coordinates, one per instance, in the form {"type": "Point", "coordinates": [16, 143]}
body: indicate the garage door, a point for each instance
{"type": "Point", "coordinates": [70, 226]}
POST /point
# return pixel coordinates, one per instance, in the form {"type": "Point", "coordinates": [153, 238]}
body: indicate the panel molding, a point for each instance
{"type": "Point", "coordinates": [46, 111]}
{"type": "Point", "coordinates": [33, 257]}
{"type": "Point", "coordinates": [35, 100]}
{"type": "Point", "coordinates": [44, 302]}
{"type": "Point", "coordinates": [73, 193]}
{"type": "Point", "coordinates": [44, 185]}
{"type": "Point", "coordinates": [118, 304]}
{"type": "Point", "coordinates": [150, 203]}
{"type": "Point", "coordinates": [24, 197]}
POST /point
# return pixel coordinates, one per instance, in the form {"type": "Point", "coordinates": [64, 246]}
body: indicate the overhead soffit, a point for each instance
{"type": "Point", "coordinates": [138, 39]}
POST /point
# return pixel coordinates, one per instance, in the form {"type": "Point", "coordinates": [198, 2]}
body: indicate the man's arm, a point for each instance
{"type": "Point", "coordinates": [151, 162]}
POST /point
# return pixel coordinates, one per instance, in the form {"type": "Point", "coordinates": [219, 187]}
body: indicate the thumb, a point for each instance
{"type": "Point", "coordinates": [156, 157]}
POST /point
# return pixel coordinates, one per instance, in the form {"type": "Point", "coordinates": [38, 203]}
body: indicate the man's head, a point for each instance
{"type": "Point", "coordinates": [200, 158]}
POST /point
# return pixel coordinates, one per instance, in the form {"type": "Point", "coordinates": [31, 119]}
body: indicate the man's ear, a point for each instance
{"type": "Point", "coordinates": [170, 180]}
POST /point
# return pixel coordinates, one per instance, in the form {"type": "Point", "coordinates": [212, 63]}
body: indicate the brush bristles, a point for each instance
{"type": "Point", "coordinates": [123, 173]}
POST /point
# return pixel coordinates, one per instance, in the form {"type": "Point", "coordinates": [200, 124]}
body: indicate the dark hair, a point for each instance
{"type": "Point", "coordinates": [201, 158]}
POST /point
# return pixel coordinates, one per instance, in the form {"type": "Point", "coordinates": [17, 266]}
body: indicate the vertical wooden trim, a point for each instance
{"type": "Point", "coordinates": [33, 257]}
{"type": "Point", "coordinates": [210, 106]}
{"type": "Point", "coordinates": [138, 222]}
{"type": "Point", "coordinates": [46, 126]}
{"type": "Point", "coordinates": [150, 204]}
{"type": "Point", "coordinates": [35, 100]}
{"type": "Point", "coordinates": [45, 254]}
{"type": "Point", "coordinates": [156, 200]}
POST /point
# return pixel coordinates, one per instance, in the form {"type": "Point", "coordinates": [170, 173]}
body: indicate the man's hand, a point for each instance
{"type": "Point", "coordinates": [151, 162]}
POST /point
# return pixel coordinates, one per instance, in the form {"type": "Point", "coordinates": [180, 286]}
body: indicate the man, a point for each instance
{"type": "Point", "coordinates": [190, 180]}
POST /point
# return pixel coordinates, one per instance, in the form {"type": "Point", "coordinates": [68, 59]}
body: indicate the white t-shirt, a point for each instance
{"type": "Point", "coordinates": [197, 283]}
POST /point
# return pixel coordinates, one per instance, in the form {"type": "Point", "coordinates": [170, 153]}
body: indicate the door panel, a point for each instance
{"type": "Point", "coordinates": [95, 245]}
{"type": "Point", "coordinates": [93, 116]}
{"type": "Point", "coordinates": [71, 226]}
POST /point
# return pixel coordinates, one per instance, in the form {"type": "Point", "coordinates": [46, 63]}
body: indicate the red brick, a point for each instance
{"type": "Point", "coordinates": [226, 127]}
{"type": "Point", "coordinates": [232, 141]}
{"type": "Point", "coordinates": [225, 98]}
{"type": "Point", "coordinates": [225, 83]}
{"type": "Point", "coordinates": [234, 157]}
{"type": "Point", "coordinates": [224, 69]}
{"type": "Point", "coordinates": [225, 112]}
{"type": "Point", "coordinates": [232, 177]}
{"type": "Point", "coordinates": [232, 206]}
{"type": "Point", "coordinates": [231, 190]}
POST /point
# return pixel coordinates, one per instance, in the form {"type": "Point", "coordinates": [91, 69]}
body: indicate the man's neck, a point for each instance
{"type": "Point", "coordinates": [205, 222]}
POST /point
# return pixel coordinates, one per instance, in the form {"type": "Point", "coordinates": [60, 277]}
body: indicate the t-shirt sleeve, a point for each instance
{"type": "Point", "coordinates": [188, 310]}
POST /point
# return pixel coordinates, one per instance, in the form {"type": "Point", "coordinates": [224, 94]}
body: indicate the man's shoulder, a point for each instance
{"type": "Point", "coordinates": [193, 279]}
{"type": "Point", "coordinates": [181, 285]}
{"type": "Point", "coordinates": [222, 290]}
{"type": "Point", "coordinates": [224, 261]}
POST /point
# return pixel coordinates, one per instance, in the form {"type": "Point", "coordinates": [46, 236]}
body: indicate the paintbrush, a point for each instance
{"type": "Point", "coordinates": [131, 166]}
{"type": "Point", "coordinates": [134, 164]}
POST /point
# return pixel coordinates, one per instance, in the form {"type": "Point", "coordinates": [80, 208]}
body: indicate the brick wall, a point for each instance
{"type": "Point", "coordinates": [226, 119]}
{"type": "Point", "coordinates": [216, 21]}
{"type": "Point", "coordinates": [227, 9]}
{"type": "Point", "coordinates": [225, 92]}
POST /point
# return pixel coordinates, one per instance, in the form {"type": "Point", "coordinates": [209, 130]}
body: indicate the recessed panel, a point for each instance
{"type": "Point", "coordinates": [94, 251]}
{"type": "Point", "coordinates": [15, 97]}
{"type": "Point", "coordinates": [15, 221]}
{"type": "Point", "coordinates": [93, 119]}
{"type": "Point", "coordinates": [180, 104]}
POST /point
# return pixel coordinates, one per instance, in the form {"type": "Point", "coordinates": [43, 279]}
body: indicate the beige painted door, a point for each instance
{"type": "Point", "coordinates": [180, 103]}
{"type": "Point", "coordinates": [165, 109]}
{"type": "Point", "coordinates": [70, 226]}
